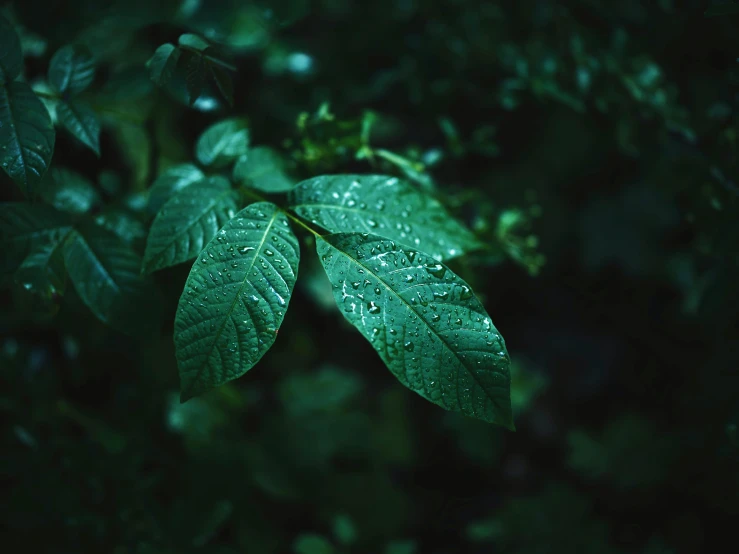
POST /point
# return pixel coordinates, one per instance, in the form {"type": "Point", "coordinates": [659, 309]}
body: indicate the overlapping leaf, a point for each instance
{"type": "Point", "coordinates": [385, 206]}
{"type": "Point", "coordinates": [69, 191]}
{"type": "Point", "coordinates": [163, 63]}
{"type": "Point", "coordinates": [26, 135]}
{"type": "Point", "coordinates": [187, 222]}
{"type": "Point", "coordinates": [171, 181]}
{"type": "Point", "coordinates": [235, 298]}
{"type": "Point", "coordinates": [71, 70]}
{"type": "Point", "coordinates": [27, 228]}
{"type": "Point", "coordinates": [222, 143]}
{"type": "Point", "coordinates": [106, 273]}
{"type": "Point", "coordinates": [263, 169]}
{"type": "Point", "coordinates": [80, 120]}
{"type": "Point", "coordinates": [424, 321]}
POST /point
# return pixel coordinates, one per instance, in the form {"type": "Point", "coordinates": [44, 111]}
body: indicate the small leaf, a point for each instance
{"type": "Point", "coordinates": [424, 321]}
{"type": "Point", "coordinates": [68, 191]}
{"type": "Point", "coordinates": [195, 77]}
{"type": "Point", "coordinates": [311, 543]}
{"type": "Point", "coordinates": [71, 69]}
{"type": "Point", "coordinates": [82, 122]}
{"type": "Point", "coordinates": [11, 55]}
{"type": "Point", "coordinates": [187, 222]}
{"type": "Point", "coordinates": [263, 169]}
{"type": "Point", "coordinates": [43, 276]}
{"type": "Point", "coordinates": [385, 206]}
{"type": "Point", "coordinates": [173, 179]}
{"type": "Point", "coordinates": [224, 83]}
{"type": "Point", "coordinates": [235, 298]}
{"type": "Point", "coordinates": [193, 41]}
{"type": "Point", "coordinates": [105, 272]}
{"type": "Point", "coordinates": [222, 143]}
{"type": "Point", "coordinates": [163, 63]}
{"type": "Point", "coordinates": [26, 135]}
{"type": "Point", "coordinates": [27, 228]}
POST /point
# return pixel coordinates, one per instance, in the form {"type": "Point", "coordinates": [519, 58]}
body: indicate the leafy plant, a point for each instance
{"type": "Point", "coordinates": [382, 241]}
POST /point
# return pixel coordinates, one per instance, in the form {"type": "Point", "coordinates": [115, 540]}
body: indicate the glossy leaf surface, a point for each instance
{"type": "Point", "coordinates": [187, 222]}
{"type": "Point", "coordinates": [26, 135]}
{"type": "Point", "coordinates": [385, 206]}
{"type": "Point", "coordinates": [71, 70]}
{"type": "Point", "coordinates": [424, 322]}
{"type": "Point", "coordinates": [235, 298]}
{"type": "Point", "coordinates": [169, 182]}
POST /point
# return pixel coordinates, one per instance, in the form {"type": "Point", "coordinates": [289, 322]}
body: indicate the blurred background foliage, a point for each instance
{"type": "Point", "coordinates": [592, 144]}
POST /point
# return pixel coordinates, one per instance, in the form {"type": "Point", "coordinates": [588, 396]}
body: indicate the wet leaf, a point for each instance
{"type": "Point", "coordinates": [424, 322]}
{"type": "Point", "coordinates": [187, 222]}
{"type": "Point", "coordinates": [384, 206]}
{"type": "Point", "coordinates": [235, 298]}
{"type": "Point", "coordinates": [26, 135]}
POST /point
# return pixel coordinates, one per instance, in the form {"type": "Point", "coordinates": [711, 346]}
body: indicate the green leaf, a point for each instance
{"type": "Point", "coordinates": [385, 206]}
{"type": "Point", "coordinates": [105, 272]}
{"type": "Point", "coordinates": [68, 191]}
{"type": "Point", "coordinates": [424, 321]}
{"type": "Point", "coordinates": [224, 83]}
{"type": "Point", "coordinates": [27, 228]}
{"type": "Point", "coordinates": [187, 222]}
{"type": "Point", "coordinates": [222, 143]}
{"type": "Point", "coordinates": [163, 63]}
{"type": "Point", "coordinates": [26, 135]}
{"type": "Point", "coordinates": [42, 273]}
{"type": "Point", "coordinates": [195, 77]}
{"type": "Point", "coordinates": [193, 41]}
{"type": "Point", "coordinates": [235, 298]}
{"type": "Point", "coordinates": [263, 169]}
{"type": "Point", "coordinates": [71, 69]}
{"type": "Point", "coordinates": [80, 120]}
{"type": "Point", "coordinates": [11, 55]}
{"type": "Point", "coordinates": [172, 180]}
{"type": "Point", "coordinates": [311, 543]}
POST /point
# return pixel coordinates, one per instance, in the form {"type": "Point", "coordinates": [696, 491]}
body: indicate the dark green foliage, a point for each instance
{"type": "Point", "coordinates": [259, 259]}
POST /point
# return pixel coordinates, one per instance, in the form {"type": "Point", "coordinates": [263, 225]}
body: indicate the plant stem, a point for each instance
{"type": "Point", "coordinates": [294, 218]}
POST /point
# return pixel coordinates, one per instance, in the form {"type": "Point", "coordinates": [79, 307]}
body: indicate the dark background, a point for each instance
{"type": "Point", "coordinates": [614, 144]}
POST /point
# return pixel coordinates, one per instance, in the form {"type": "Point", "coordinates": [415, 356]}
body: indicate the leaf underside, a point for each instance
{"type": "Point", "coordinates": [382, 205]}
{"type": "Point", "coordinates": [235, 298]}
{"type": "Point", "coordinates": [424, 322]}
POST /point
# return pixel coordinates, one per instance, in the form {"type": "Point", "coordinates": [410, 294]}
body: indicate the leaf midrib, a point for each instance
{"type": "Point", "coordinates": [214, 201]}
{"type": "Point", "coordinates": [228, 312]}
{"type": "Point", "coordinates": [410, 307]}
{"type": "Point", "coordinates": [14, 133]}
